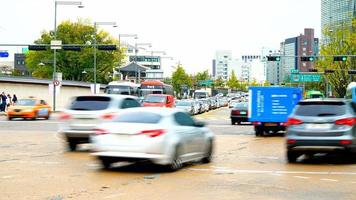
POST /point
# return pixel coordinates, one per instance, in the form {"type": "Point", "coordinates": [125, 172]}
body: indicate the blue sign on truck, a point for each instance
{"type": "Point", "coordinates": [269, 107]}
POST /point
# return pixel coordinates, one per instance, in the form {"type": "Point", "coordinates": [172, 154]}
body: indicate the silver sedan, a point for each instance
{"type": "Point", "coordinates": [163, 136]}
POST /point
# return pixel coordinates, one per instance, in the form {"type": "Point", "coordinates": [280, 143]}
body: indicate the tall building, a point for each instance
{"type": "Point", "coordinates": [337, 13]}
{"type": "Point", "coordinates": [274, 70]}
{"type": "Point", "coordinates": [223, 64]}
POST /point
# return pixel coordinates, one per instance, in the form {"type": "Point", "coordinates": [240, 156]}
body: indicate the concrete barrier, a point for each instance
{"type": "Point", "coordinates": [25, 87]}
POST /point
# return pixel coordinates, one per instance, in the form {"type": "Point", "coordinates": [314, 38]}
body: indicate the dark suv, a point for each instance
{"type": "Point", "coordinates": [320, 126]}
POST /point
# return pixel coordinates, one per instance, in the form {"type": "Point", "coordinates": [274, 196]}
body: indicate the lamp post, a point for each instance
{"type": "Point", "coordinates": [124, 35]}
{"type": "Point", "coordinates": [57, 3]}
{"type": "Point", "coordinates": [95, 45]}
{"type": "Point", "coordinates": [137, 73]}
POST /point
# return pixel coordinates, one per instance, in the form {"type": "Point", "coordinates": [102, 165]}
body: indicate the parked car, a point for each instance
{"type": "Point", "coordinates": [205, 105]}
{"type": "Point", "coordinates": [29, 108]}
{"type": "Point", "coordinates": [159, 100]}
{"type": "Point", "coordinates": [233, 103]}
{"type": "Point", "coordinates": [78, 122]}
{"type": "Point", "coordinates": [186, 105]}
{"type": "Point", "coordinates": [197, 107]}
{"type": "Point", "coordinates": [163, 136]}
{"type": "Point", "coordinates": [239, 113]}
{"type": "Point", "coordinates": [321, 125]}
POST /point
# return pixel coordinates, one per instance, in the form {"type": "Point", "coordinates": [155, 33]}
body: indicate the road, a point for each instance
{"type": "Point", "coordinates": [34, 164]}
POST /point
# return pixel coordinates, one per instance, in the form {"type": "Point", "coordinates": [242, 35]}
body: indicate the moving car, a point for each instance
{"type": "Point", "coordinates": [86, 112]}
{"type": "Point", "coordinates": [30, 108]}
{"type": "Point", "coordinates": [159, 100]}
{"type": "Point", "coordinates": [163, 136]}
{"type": "Point", "coordinates": [321, 125]}
{"type": "Point", "coordinates": [239, 113]}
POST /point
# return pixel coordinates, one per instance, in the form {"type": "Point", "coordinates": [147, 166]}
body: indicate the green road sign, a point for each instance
{"type": "Point", "coordinates": [294, 71]}
{"type": "Point", "coordinates": [205, 83]}
{"type": "Point", "coordinates": [297, 78]}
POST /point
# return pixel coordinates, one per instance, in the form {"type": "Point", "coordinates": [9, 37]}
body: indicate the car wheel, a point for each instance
{"type": "Point", "coordinates": [9, 118]}
{"type": "Point", "coordinates": [106, 163]}
{"type": "Point", "coordinates": [209, 153]}
{"type": "Point", "coordinates": [233, 122]}
{"type": "Point", "coordinates": [238, 122]}
{"type": "Point", "coordinates": [258, 132]}
{"type": "Point", "coordinates": [72, 144]}
{"type": "Point", "coordinates": [177, 162]}
{"type": "Point", "coordinates": [292, 156]}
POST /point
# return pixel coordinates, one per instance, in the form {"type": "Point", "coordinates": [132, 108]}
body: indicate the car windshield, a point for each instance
{"type": "Point", "coordinates": [183, 103]}
{"type": "Point", "coordinates": [155, 99]}
{"type": "Point", "coordinates": [321, 109]}
{"type": "Point", "coordinates": [26, 102]}
{"type": "Point", "coordinates": [240, 105]}
{"type": "Point", "coordinates": [139, 117]}
{"type": "Point", "coordinates": [90, 103]}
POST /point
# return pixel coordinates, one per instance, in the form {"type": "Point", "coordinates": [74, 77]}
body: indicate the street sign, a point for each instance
{"type": "Point", "coordinates": [56, 44]}
{"type": "Point", "coordinates": [294, 71]}
{"type": "Point", "coordinates": [56, 83]}
{"type": "Point", "coordinates": [4, 54]}
{"type": "Point", "coordinates": [205, 83]}
{"type": "Point", "coordinates": [297, 78]}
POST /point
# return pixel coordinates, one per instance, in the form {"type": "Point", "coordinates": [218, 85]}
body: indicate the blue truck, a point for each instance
{"type": "Point", "coordinates": [269, 107]}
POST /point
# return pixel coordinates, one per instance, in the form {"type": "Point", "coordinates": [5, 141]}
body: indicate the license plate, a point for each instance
{"type": "Point", "coordinates": [243, 113]}
{"type": "Point", "coordinates": [318, 126]}
{"type": "Point", "coordinates": [271, 124]}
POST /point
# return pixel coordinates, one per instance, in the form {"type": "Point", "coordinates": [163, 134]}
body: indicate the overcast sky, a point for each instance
{"type": "Point", "coordinates": [188, 30]}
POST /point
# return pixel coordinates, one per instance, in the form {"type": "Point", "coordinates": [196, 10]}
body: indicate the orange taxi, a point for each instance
{"type": "Point", "coordinates": [30, 108]}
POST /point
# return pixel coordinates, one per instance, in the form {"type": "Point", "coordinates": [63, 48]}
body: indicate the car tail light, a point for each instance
{"type": "Point", "coordinates": [100, 131]}
{"type": "Point", "coordinates": [153, 133]}
{"type": "Point", "coordinates": [256, 123]}
{"type": "Point", "coordinates": [293, 121]}
{"type": "Point", "coordinates": [235, 112]}
{"type": "Point", "coordinates": [64, 116]}
{"type": "Point", "coordinates": [108, 116]}
{"type": "Point", "coordinates": [290, 141]}
{"type": "Point", "coordinates": [346, 121]}
{"type": "Point", "coordinates": [345, 142]}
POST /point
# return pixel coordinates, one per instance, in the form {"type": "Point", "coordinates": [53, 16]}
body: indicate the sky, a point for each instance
{"type": "Point", "coordinates": [190, 31]}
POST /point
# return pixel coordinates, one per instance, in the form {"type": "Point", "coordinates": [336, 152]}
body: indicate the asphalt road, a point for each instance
{"type": "Point", "coordinates": [34, 164]}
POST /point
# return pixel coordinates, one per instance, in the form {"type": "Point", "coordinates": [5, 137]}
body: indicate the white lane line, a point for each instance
{"type": "Point", "coordinates": [301, 177]}
{"type": "Point", "coordinates": [244, 171]}
{"type": "Point", "coordinates": [330, 180]}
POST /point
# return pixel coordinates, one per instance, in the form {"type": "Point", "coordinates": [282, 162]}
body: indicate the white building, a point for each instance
{"type": "Point", "coordinates": [222, 64]}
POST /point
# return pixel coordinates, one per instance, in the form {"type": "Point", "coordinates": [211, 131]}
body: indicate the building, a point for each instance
{"type": "Point", "coordinates": [20, 65]}
{"type": "Point", "coordinates": [252, 69]}
{"type": "Point", "coordinates": [273, 70]}
{"type": "Point", "coordinates": [337, 13]}
{"type": "Point", "coordinates": [222, 64]}
{"type": "Point", "coordinates": [294, 48]}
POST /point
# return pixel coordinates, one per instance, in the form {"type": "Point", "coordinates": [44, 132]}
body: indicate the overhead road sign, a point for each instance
{"type": "Point", "coordinates": [4, 54]}
{"type": "Point", "coordinates": [297, 78]}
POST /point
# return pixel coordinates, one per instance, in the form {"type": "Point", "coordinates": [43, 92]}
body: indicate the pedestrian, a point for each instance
{"type": "Point", "coordinates": [3, 103]}
{"type": "Point", "coordinates": [14, 99]}
{"type": "Point", "coordinates": [9, 100]}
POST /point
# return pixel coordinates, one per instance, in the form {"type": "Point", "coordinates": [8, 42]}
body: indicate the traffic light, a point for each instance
{"type": "Point", "coordinates": [37, 47]}
{"type": "Point", "coordinates": [351, 72]}
{"type": "Point", "coordinates": [340, 58]}
{"type": "Point", "coordinates": [273, 58]}
{"type": "Point", "coordinates": [71, 48]}
{"type": "Point", "coordinates": [307, 58]}
{"type": "Point", "coordinates": [328, 71]}
{"type": "Point", "coordinates": [107, 47]}
{"type": "Point", "coordinates": [313, 70]}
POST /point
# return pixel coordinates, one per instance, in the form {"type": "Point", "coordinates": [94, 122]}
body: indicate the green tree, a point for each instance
{"type": "Point", "coordinates": [180, 78]}
{"type": "Point", "coordinates": [70, 63]}
{"type": "Point", "coordinates": [202, 76]}
{"type": "Point", "coordinates": [219, 82]}
{"type": "Point", "coordinates": [340, 41]}
{"type": "Point", "coordinates": [233, 83]}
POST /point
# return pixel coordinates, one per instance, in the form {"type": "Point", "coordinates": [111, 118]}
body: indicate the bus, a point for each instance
{"type": "Point", "coordinates": [154, 87]}
{"type": "Point", "coordinates": [201, 94]}
{"type": "Point", "coordinates": [122, 87]}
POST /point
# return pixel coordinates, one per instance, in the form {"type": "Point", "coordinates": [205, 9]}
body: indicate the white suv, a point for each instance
{"type": "Point", "coordinates": [86, 112]}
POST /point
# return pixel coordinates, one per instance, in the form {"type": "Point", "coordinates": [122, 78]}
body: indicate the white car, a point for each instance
{"type": "Point", "coordinates": [164, 136]}
{"type": "Point", "coordinates": [86, 112]}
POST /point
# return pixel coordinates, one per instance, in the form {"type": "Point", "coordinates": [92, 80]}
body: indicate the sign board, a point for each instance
{"type": "Point", "coordinates": [272, 104]}
{"type": "Point", "coordinates": [297, 78]}
{"type": "Point", "coordinates": [294, 71]}
{"type": "Point", "coordinates": [4, 54]}
{"type": "Point", "coordinates": [205, 83]}
{"type": "Point", "coordinates": [56, 83]}
{"type": "Point", "coordinates": [56, 44]}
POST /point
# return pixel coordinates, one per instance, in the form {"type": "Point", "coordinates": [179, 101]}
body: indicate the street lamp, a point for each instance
{"type": "Point", "coordinates": [95, 45]}
{"type": "Point", "coordinates": [138, 73]}
{"type": "Point", "coordinates": [124, 35]}
{"type": "Point", "coordinates": [57, 3]}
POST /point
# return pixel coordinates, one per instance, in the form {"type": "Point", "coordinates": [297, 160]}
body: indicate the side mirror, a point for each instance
{"type": "Point", "coordinates": [199, 124]}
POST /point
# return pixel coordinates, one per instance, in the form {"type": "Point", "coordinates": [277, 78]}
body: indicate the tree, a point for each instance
{"type": "Point", "coordinates": [341, 41]}
{"type": "Point", "coordinates": [71, 63]}
{"type": "Point", "coordinates": [219, 82]}
{"type": "Point", "coordinates": [233, 83]}
{"type": "Point", "coordinates": [180, 78]}
{"type": "Point", "coordinates": [202, 76]}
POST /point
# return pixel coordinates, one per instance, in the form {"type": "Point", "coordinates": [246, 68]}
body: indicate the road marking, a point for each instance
{"type": "Point", "coordinates": [301, 177]}
{"type": "Point", "coordinates": [330, 180]}
{"type": "Point", "coordinates": [246, 171]}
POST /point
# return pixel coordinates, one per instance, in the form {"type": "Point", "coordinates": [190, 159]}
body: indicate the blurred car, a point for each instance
{"type": "Point", "coordinates": [86, 112]}
{"type": "Point", "coordinates": [159, 100]}
{"type": "Point", "coordinates": [321, 125]}
{"type": "Point", "coordinates": [187, 106]}
{"type": "Point", "coordinates": [233, 103]}
{"type": "Point", "coordinates": [163, 136]}
{"type": "Point", "coordinates": [239, 113]}
{"type": "Point", "coordinates": [197, 107]}
{"type": "Point", "coordinates": [205, 105]}
{"type": "Point", "coordinates": [30, 108]}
